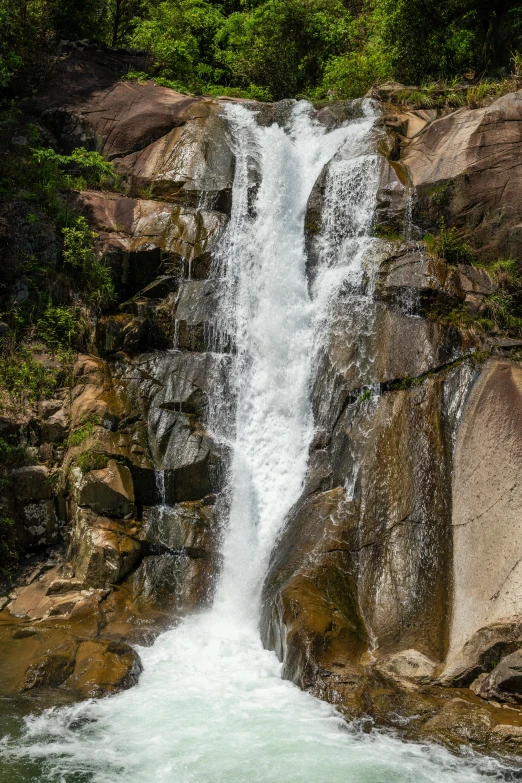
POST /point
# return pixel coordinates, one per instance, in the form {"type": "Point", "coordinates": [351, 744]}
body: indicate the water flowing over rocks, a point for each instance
{"type": "Point", "coordinates": [393, 589]}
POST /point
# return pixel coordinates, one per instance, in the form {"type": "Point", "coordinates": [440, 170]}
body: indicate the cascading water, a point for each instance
{"type": "Point", "coordinates": [210, 706]}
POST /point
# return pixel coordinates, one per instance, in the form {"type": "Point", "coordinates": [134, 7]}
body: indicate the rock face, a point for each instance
{"type": "Point", "coordinates": [469, 161]}
{"type": "Point", "coordinates": [131, 474]}
{"type": "Point", "coordinates": [486, 502]}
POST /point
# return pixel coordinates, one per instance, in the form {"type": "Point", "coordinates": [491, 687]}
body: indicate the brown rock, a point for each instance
{"type": "Point", "coordinates": [410, 668]}
{"type": "Point", "coordinates": [54, 429]}
{"type": "Point", "coordinates": [131, 225]}
{"type": "Point", "coordinates": [475, 152]}
{"type": "Point", "coordinates": [102, 667]}
{"type": "Point", "coordinates": [487, 496]}
{"type": "Point", "coordinates": [109, 491]}
{"type": "Point", "coordinates": [504, 683]}
{"type": "Point", "coordinates": [311, 616]}
{"type": "Point", "coordinates": [85, 99]}
{"type": "Point", "coordinates": [101, 550]}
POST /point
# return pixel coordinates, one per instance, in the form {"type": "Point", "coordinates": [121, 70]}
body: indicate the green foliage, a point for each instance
{"type": "Point", "coordinates": [283, 45]}
{"type": "Point", "coordinates": [441, 195]}
{"type": "Point", "coordinates": [12, 457]}
{"type": "Point", "coordinates": [365, 395]}
{"type": "Point", "coordinates": [449, 246]}
{"type": "Point", "coordinates": [504, 306]}
{"type": "Point", "coordinates": [180, 35]}
{"type": "Point", "coordinates": [92, 459]}
{"type": "Point", "coordinates": [60, 326]}
{"type": "Point", "coordinates": [25, 379]}
{"type": "Point", "coordinates": [261, 48]}
{"type": "Point", "coordinates": [87, 428]}
{"type": "Point", "coordinates": [89, 271]}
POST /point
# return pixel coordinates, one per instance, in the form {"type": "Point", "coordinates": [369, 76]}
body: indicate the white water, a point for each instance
{"type": "Point", "coordinates": [210, 706]}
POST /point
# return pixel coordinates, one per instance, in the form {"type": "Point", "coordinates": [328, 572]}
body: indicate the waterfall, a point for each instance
{"type": "Point", "coordinates": [210, 706]}
{"type": "Point", "coordinates": [272, 320]}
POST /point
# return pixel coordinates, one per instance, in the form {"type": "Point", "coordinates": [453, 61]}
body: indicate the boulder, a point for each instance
{"type": "Point", "coordinates": [121, 332]}
{"type": "Point", "coordinates": [469, 160]}
{"type": "Point", "coordinates": [410, 668]}
{"type": "Point", "coordinates": [40, 522]}
{"type": "Point", "coordinates": [190, 160]}
{"type": "Point", "coordinates": [487, 496]}
{"type": "Point", "coordinates": [109, 491]}
{"type": "Point", "coordinates": [103, 667]}
{"type": "Point", "coordinates": [102, 551]}
{"type": "Point", "coordinates": [32, 483]}
{"type": "Point", "coordinates": [54, 429]}
{"type": "Point", "coordinates": [135, 226]}
{"type": "Point", "coordinates": [84, 101]}
{"type": "Point", "coordinates": [504, 683]}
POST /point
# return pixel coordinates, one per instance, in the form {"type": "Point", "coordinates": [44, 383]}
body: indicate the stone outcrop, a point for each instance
{"type": "Point", "coordinates": [468, 161]}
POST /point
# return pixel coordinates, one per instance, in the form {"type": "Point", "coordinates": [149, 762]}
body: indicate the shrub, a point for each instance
{"type": "Point", "coordinates": [449, 246]}
{"type": "Point", "coordinates": [25, 379]}
{"type": "Point", "coordinates": [87, 427]}
{"type": "Point", "coordinates": [61, 326]}
{"type": "Point", "coordinates": [92, 460]}
{"type": "Point", "coordinates": [80, 259]}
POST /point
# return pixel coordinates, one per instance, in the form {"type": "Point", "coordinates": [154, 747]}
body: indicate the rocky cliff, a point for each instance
{"type": "Point", "coordinates": [394, 590]}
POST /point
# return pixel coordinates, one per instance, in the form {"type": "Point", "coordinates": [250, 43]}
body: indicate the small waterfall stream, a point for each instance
{"type": "Point", "coordinates": [210, 706]}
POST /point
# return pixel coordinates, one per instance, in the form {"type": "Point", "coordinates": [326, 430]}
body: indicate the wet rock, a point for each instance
{"type": "Point", "coordinates": [102, 551]}
{"type": "Point", "coordinates": [195, 314]}
{"type": "Point", "coordinates": [311, 615]}
{"type": "Point", "coordinates": [504, 683]}
{"type": "Point", "coordinates": [460, 720]}
{"type": "Point", "coordinates": [486, 498]}
{"type": "Point", "coordinates": [173, 583]}
{"type": "Point", "coordinates": [102, 667]}
{"type": "Point", "coordinates": [187, 527]}
{"type": "Point", "coordinates": [108, 491]}
{"type": "Point", "coordinates": [408, 667]}
{"type": "Point", "coordinates": [466, 159]}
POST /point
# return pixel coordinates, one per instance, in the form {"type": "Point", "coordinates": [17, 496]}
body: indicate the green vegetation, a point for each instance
{"type": "Point", "coordinates": [52, 278]}
{"type": "Point", "coordinates": [92, 459]}
{"type": "Point", "coordinates": [501, 312]}
{"type": "Point", "coordinates": [87, 428]}
{"type": "Point", "coordinates": [365, 395]}
{"type": "Point", "coordinates": [24, 378]}
{"type": "Point", "coordinates": [450, 246]}
{"type": "Point", "coordinates": [284, 48]}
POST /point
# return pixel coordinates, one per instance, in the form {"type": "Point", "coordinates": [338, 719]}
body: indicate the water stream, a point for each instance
{"type": "Point", "coordinates": [210, 706]}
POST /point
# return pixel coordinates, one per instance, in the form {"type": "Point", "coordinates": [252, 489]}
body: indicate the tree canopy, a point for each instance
{"type": "Point", "coordinates": [277, 48]}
